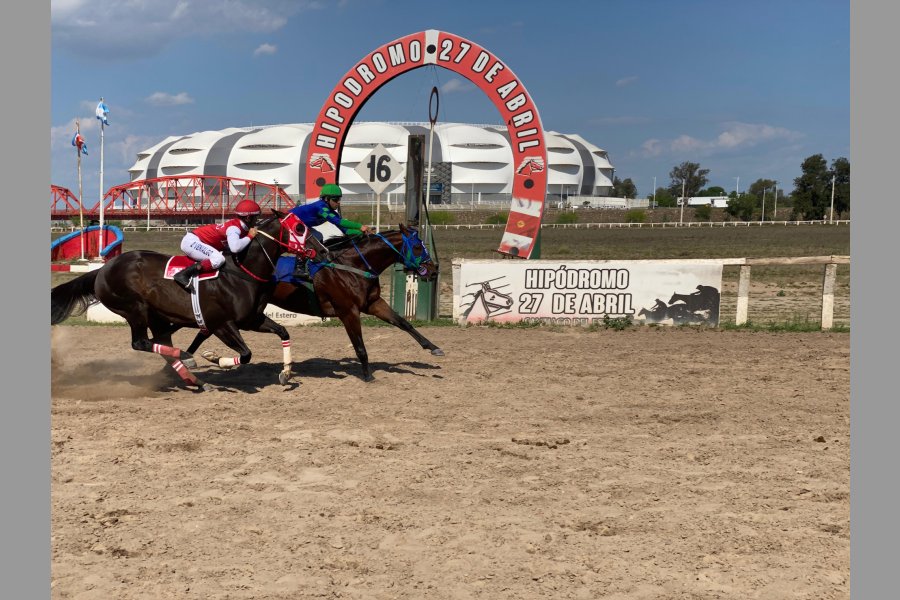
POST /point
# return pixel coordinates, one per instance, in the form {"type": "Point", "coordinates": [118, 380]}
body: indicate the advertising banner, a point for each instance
{"type": "Point", "coordinates": [668, 292]}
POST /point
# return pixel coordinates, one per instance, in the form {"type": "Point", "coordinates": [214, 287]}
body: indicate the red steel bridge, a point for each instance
{"type": "Point", "coordinates": [177, 197]}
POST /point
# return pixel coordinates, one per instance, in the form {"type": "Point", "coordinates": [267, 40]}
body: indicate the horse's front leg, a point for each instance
{"type": "Point", "coordinates": [381, 309]}
{"type": "Point", "coordinates": [264, 324]}
{"type": "Point", "coordinates": [353, 327]}
{"type": "Point", "coordinates": [201, 337]}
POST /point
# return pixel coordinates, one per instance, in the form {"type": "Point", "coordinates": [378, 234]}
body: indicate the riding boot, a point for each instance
{"type": "Point", "coordinates": [184, 276]}
{"type": "Point", "coordinates": [301, 269]}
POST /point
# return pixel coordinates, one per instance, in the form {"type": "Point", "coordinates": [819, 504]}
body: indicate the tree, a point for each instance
{"type": "Point", "coordinates": [840, 170]}
{"type": "Point", "coordinates": [713, 191]}
{"type": "Point", "coordinates": [624, 188]}
{"type": "Point", "coordinates": [763, 190]}
{"type": "Point", "coordinates": [741, 207]}
{"type": "Point", "coordinates": [693, 177]}
{"type": "Point", "coordinates": [663, 197]}
{"type": "Point", "coordinates": [812, 190]}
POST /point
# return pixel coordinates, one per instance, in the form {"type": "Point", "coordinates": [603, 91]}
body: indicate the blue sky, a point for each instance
{"type": "Point", "coordinates": [746, 89]}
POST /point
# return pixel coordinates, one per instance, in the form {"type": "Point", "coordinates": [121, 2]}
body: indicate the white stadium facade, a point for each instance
{"type": "Point", "coordinates": [471, 163]}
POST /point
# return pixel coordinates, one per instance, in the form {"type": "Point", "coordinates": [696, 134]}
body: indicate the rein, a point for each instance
{"type": "Point", "coordinates": [265, 253]}
{"type": "Point", "coordinates": [410, 260]}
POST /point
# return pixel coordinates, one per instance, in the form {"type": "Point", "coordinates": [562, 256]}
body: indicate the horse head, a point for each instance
{"type": "Point", "coordinates": [414, 254]}
{"type": "Point", "coordinates": [275, 235]}
{"type": "Point", "coordinates": [494, 299]}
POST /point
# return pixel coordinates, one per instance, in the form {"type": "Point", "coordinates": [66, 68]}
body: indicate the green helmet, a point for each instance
{"type": "Point", "coordinates": [331, 190]}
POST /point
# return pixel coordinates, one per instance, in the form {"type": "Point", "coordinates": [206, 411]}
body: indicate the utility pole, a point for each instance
{"type": "Point", "coordinates": [654, 192]}
{"type": "Point", "coordinates": [831, 218]}
{"type": "Point", "coordinates": [762, 217]}
{"type": "Point", "coordinates": [683, 200]}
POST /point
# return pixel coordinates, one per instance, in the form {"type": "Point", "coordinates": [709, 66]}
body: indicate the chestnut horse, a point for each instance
{"type": "Point", "coordinates": [346, 284]}
{"type": "Point", "coordinates": [134, 286]}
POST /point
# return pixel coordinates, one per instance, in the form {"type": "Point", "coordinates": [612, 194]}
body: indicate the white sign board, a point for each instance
{"type": "Point", "coordinates": [670, 292]}
{"type": "Point", "coordinates": [378, 169]}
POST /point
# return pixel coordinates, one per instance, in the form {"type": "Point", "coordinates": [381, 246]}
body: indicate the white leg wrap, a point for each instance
{"type": "Point", "coordinates": [286, 348]}
{"type": "Point", "coordinates": [227, 363]}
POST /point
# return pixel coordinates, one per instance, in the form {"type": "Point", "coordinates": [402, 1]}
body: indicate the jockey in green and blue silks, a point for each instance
{"type": "Point", "coordinates": [327, 209]}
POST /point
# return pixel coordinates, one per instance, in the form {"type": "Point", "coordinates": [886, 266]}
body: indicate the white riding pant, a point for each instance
{"type": "Point", "coordinates": [196, 249]}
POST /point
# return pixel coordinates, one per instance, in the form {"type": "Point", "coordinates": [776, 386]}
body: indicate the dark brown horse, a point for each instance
{"type": "Point", "coordinates": [347, 285]}
{"type": "Point", "coordinates": [134, 286]}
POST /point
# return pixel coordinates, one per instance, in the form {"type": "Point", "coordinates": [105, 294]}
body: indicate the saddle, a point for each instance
{"type": "Point", "coordinates": [179, 263]}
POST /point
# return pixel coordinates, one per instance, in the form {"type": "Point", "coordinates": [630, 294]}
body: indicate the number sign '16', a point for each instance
{"type": "Point", "coordinates": [378, 169]}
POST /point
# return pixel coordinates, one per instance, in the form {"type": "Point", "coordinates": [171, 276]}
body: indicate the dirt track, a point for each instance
{"type": "Point", "coordinates": [647, 463]}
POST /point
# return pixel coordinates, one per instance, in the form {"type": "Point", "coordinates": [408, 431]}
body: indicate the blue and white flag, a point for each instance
{"type": "Point", "coordinates": [103, 113]}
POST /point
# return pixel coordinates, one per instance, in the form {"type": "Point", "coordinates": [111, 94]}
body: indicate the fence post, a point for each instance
{"type": "Point", "coordinates": [828, 296]}
{"type": "Point", "coordinates": [743, 299]}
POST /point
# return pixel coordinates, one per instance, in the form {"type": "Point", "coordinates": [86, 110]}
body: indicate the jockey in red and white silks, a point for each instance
{"type": "Point", "coordinates": [206, 243]}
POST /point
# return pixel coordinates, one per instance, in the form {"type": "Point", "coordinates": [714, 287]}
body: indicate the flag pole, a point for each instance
{"type": "Point", "coordinates": [102, 236]}
{"type": "Point", "coordinates": [80, 202]}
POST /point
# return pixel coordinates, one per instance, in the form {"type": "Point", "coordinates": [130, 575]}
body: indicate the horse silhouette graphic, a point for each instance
{"type": "Point", "coordinates": [530, 165]}
{"type": "Point", "coordinates": [695, 308]}
{"type": "Point", "coordinates": [321, 162]}
{"type": "Point", "coordinates": [487, 301]}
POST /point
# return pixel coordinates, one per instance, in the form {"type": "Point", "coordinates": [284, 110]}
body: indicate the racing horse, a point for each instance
{"type": "Point", "coordinates": [347, 284]}
{"type": "Point", "coordinates": [134, 285]}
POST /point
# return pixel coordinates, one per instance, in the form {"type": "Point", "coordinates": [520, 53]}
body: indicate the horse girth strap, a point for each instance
{"type": "Point", "coordinates": [366, 274]}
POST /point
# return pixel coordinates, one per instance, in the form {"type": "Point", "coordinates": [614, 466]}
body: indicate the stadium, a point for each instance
{"type": "Point", "coordinates": [472, 163]}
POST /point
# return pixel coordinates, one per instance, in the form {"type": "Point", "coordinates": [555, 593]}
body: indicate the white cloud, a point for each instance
{"type": "Point", "coordinates": [457, 85]}
{"type": "Point", "coordinates": [164, 99]}
{"type": "Point", "coordinates": [265, 49]}
{"type": "Point", "coordinates": [626, 81]}
{"type": "Point", "coordinates": [123, 29]}
{"type": "Point", "coordinates": [736, 135]}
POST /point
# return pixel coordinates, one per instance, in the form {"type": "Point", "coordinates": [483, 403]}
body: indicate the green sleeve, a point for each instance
{"type": "Point", "coordinates": [350, 227]}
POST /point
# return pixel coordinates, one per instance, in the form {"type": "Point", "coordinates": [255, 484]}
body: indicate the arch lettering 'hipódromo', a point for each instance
{"type": "Point", "coordinates": [479, 66]}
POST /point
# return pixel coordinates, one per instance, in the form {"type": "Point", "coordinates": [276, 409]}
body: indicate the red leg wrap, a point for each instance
{"type": "Point", "coordinates": [167, 350]}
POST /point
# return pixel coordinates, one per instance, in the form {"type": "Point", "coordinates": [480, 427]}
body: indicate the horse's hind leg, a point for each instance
{"type": "Point", "coordinates": [381, 309]}
{"type": "Point", "coordinates": [173, 356]}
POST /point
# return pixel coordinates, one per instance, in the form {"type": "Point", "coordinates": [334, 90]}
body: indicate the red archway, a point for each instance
{"type": "Point", "coordinates": [490, 74]}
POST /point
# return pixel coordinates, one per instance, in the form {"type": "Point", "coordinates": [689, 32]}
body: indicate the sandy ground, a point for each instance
{"type": "Point", "coordinates": [646, 463]}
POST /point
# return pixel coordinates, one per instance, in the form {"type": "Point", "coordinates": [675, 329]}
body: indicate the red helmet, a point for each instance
{"type": "Point", "coordinates": [246, 208]}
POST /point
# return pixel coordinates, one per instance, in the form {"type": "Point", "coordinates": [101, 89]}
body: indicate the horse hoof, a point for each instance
{"type": "Point", "coordinates": [437, 352]}
{"type": "Point", "coordinates": [368, 378]}
{"type": "Point", "coordinates": [210, 356]}
{"type": "Point", "coordinates": [190, 363]}
{"type": "Point", "coordinates": [205, 387]}
{"type": "Point", "coordinates": [284, 377]}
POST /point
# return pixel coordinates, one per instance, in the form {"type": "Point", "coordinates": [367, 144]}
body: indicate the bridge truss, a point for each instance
{"type": "Point", "coordinates": [175, 197]}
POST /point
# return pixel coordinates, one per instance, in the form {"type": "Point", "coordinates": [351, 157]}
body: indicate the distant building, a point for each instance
{"type": "Point", "coordinates": [470, 161]}
{"type": "Point", "coordinates": [712, 201]}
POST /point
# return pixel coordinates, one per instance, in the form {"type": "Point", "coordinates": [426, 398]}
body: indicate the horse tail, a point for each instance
{"type": "Point", "coordinates": [72, 298]}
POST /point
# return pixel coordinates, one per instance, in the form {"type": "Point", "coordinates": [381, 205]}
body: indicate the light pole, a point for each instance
{"type": "Point", "coordinates": [831, 218]}
{"type": "Point", "coordinates": [654, 192]}
{"type": "Point", "coordinates": [762, 217]}
{"type": "Point", "coordinates": [683, 200]}
{"type": "Point", "coordinates": [737, 187]}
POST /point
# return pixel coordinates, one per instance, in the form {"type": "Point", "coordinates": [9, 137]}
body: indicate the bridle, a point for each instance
{"type": "Point", "coordinates": [296, 242]}
{"type": "Point", "coordinates": [407, 254]}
